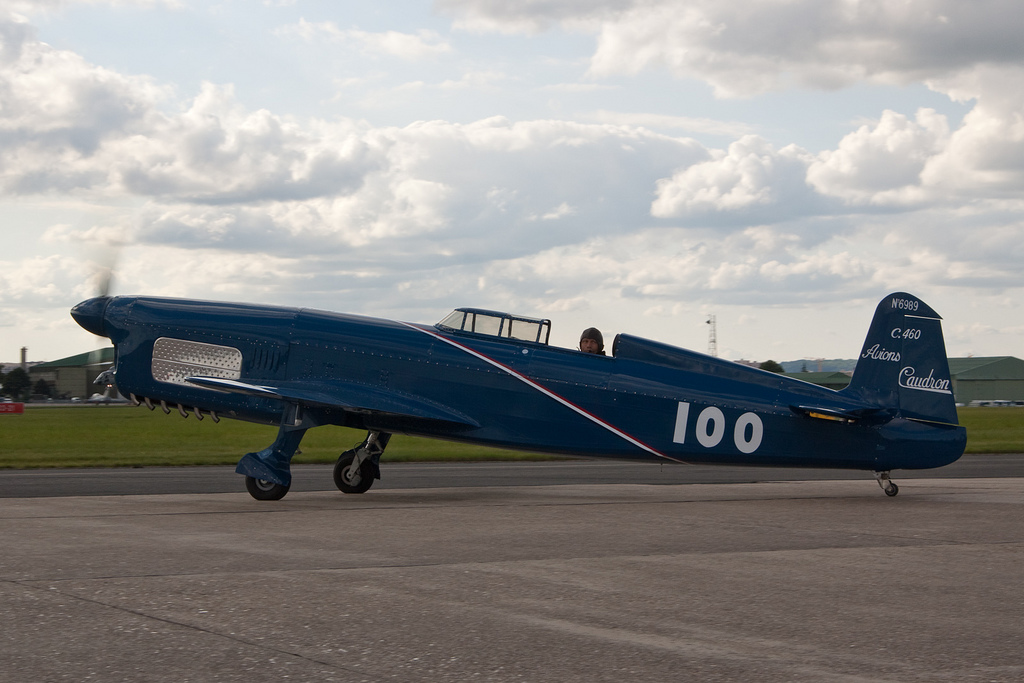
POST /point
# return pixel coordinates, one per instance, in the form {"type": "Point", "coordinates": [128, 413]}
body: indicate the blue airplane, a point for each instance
{"type": "Point", "coordinates": [491, 378]}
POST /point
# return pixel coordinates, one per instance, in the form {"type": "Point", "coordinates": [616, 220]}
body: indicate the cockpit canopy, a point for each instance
{"type": "Point", "coordinates": [496, 324]}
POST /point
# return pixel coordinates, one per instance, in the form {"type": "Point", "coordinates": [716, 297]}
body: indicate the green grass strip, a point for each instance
{"type": "Point", "coordinates": [125, 436]}
{"type": "Point", "coordinates": [120, 436]}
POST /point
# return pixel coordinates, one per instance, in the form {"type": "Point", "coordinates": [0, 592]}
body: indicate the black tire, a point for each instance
{"type": "Point", "coordinates": [261, 489]}
{"type": "Point", "coordinates": [892, 490]}
{"type": "Point", "coordinates": [360, 482]}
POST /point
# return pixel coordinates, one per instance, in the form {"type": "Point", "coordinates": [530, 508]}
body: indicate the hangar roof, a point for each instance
{"type": "Point", "coordinates": [103, 356]}
{"type": "Point", "coordinates": [987, 367]}
{"type": "Point", "coordinates": [827, 379]}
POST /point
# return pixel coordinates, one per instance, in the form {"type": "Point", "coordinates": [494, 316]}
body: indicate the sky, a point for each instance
{"type": "Point", "coordinates": [634, 165]}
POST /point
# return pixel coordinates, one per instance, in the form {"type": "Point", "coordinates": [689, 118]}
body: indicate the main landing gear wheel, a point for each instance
{"type": "Point", "coordinates": [261, 489]}
{"type": "Point", "coordinates": [350, 478]}
{"type": "Point", "coordinates": [891, 490]}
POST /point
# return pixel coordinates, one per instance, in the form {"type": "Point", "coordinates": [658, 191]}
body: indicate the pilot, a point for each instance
{"type": "Point", "coordinates": [591, 341]}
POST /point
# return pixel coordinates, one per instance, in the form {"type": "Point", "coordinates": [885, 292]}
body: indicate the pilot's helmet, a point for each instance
{"type": "Point", "coordinates": [595, 334]}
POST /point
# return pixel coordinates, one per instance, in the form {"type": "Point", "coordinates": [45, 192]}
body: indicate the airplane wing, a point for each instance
{"type": "Point", "coordinates": [349, 396]}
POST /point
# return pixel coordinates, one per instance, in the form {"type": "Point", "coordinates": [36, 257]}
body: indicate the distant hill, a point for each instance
{"type": "Point", "coordinates": [826, 365]}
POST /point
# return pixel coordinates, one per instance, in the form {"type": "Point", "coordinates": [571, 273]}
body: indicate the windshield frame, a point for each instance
{"type": "Point", "coordinates": [498, 325]}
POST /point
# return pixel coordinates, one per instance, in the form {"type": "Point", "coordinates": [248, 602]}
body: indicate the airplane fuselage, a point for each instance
{"type": "Point", "coordinates": [647, 401]}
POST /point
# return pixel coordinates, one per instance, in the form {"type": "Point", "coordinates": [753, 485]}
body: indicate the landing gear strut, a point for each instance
{"type": "Point", "coordinates": [889, 486]}
{"type": "Point", "coordinates": [267, 473]}
{"type": "Point", "coordinates": [357, 468]}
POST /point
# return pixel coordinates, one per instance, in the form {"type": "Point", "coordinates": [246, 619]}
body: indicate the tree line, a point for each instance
{"type": "Point", "coordinates": [17, 382]}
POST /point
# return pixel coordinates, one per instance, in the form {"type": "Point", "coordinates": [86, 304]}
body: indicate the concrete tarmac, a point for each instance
{"type": "Point", "coordinates": [778, 581]}
{"type": "Point", "coordinates": [99, 481]}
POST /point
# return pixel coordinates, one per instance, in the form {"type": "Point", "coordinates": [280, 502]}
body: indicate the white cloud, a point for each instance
{"type": "Point", "coordinates": [733, 129]}
{"type": "Point", "coordinates": [403, 45]}
{"type": "Point", "coordinates": [21, 7]}
{"type": "Point", "coordinates": [66, 125]}
{"type": "Point", "coordinates": [40, 281]}
{"type": "Point", "coordinates": [560, 211]}
{"type": "Point", "coordinates": [474, 80]}
{"type": "Point", "coordinates": [57, 112]}
{"type": "Point", "coordinates": [421, 45]}
{"type": "Point", "coordinates": [882, 164]}
{"type": "Point", "coordinates": [985, 156]}
{"type": "Point", "coordinates": [577, 87]}
{"type": "Point", "coordinates": [750, 174]}
{"type": "Point", "coordinates": [216, 152]}
{"type": "Point", "coordinates": [968, 51]}
{"type": "Point", "coordinates": [468, 191]}
{"type": "Point", "coordinates": [767, 266]}
{"type": "Point", "coordinates": [612, 220]}
{"type": "Point", "coordinates": [531, 16]}
{"type": "Point", "coordinates": [902, 162]}
{"type": "Point", "coordinates": [746, 47]}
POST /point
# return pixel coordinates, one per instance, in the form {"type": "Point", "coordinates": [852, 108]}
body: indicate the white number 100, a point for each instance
{"type": "Point", "coordinates": [710, 428]}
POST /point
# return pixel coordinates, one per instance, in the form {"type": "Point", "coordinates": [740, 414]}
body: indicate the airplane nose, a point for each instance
{"type": "Point", "coordinates": [89, 314]}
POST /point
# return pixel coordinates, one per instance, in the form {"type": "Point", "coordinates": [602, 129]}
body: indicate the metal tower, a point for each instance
{"type": "Point", "coordinates": [712, 337]}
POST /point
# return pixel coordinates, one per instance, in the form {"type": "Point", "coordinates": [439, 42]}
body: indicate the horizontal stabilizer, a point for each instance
{"type": "Point", "coordinates": [349, 396]}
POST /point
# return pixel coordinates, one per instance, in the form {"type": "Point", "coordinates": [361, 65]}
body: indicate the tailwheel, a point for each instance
{"type": "Point", "coordinates": [352, 475]}
{"type": "Point", "coordinates": [887, 484]}
{"type": "Point", "coordinates": [262, 489]}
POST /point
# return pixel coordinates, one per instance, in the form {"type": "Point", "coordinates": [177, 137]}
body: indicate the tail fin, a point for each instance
{"type": "Point", "coordinates": [903, 364]}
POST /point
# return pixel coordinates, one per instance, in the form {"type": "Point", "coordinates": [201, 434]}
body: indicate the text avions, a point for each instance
{"type": "Point", "coordinates": [878, 352]}
{"type": "Point", "coordinates": [710, 428]}
{"type": "Point", "coordinates": [909, 379]}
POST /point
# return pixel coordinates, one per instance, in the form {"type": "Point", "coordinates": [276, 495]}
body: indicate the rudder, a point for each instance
{"type": "Point", "coordinates": [903, 364]}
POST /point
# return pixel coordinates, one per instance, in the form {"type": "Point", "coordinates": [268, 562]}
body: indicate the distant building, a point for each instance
{"type": "Point", "coordinates": [987, 378]}
{"type": "Point", "coordinates": [829, 380]}
{"type": "Point", "coordinates": [984, 378]}
{"type": "Point", "coordinates": [73, 376]}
